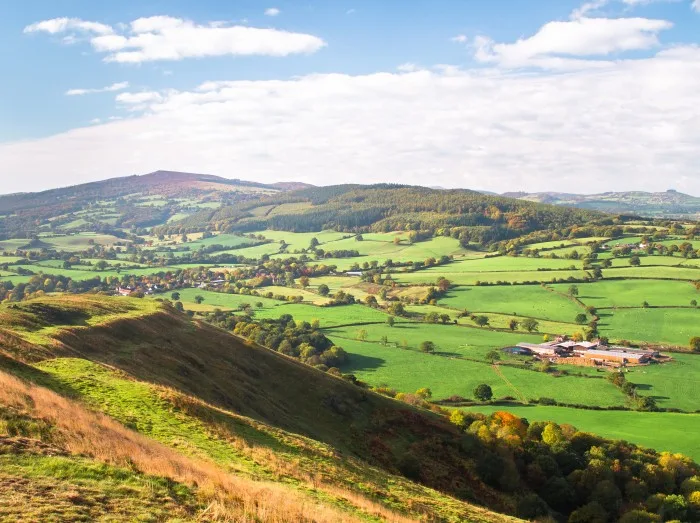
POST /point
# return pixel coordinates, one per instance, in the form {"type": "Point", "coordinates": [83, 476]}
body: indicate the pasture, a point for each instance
{"type": "Point", "coordinates": [450, 340]}
{"type": "Point", "coordinates": [653, 272]}
{"type": "Point", "coordinates": [519, 300]}
{"type": "Point", "coordinates": [673, 385]}
{"type": "Point", "coordinates": [446, 376]}
{"type": "Point", "coordinates": [430, 276]}
{"type": "Point", "coordinates": [656, 325]}
{"type": "Point", "coordinates": [633, 293]}
{"type": "Point", "coordinates": [301, 240]}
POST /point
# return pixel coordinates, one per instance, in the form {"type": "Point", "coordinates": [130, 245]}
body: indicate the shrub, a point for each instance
{"type": "Point", "coordinates": [695, 344]}
{"type": "Point", "coordinates": [427, 347]}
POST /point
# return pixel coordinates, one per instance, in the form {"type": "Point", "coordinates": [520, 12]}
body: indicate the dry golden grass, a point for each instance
{"type": "Point", "coordinates": [229, 498]}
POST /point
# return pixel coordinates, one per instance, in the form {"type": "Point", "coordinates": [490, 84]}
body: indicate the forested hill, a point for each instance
{"type": "Point", "coordinates": [384, 207]}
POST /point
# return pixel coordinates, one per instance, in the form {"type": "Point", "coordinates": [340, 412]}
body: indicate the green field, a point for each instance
{"type": "Point", "coordinates": [519, 300]}
{"type": "Point", "coordinates": [675, 384]}
{"type": "Point", "coordinates": [667, 261]}
{"type": "Point", "coordinates": [450, 340]}
{"type": "Point", "coordinates": [431, 275]}
{"type": "Point", "coordinates": [81, 241]}
{"type": "Point", "coordinates": [669, 326]}
{"type": "Point", "coordinates": [512, 264]}
{"type": "Point", "coordinates": [447, 376]}
{"type": "Point", "coordinates": [380, 248]}
{"type": "Point", "coordinates": [301, 240]}
{"type": "Point", "coordinates": [653, 272]}
{"type": "Point", "coordinates": [225, 240]}
{"type": "Point", "coordinates": [633, 293]}
{"type": "Point", "coordinates": [255, 252]}
{"type": "Point", "coordinates": [663, 431]}
{"type": "Point", "coordinates": [502, 321]}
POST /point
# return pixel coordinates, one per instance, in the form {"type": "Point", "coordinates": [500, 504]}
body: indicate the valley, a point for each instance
{"type": "Point", "coordinates": [380, 297]}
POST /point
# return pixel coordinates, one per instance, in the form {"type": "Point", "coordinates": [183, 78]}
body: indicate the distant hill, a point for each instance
{"type": "Point", "coordinates": [165, 183]}
{"type": "Point", "coordinates": [669, 204]}
{"type": "Point", "coordinates": [124, 203]}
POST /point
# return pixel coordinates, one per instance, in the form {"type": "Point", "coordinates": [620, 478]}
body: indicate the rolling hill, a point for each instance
{"type": "Point", "coordinates": [124, 203]}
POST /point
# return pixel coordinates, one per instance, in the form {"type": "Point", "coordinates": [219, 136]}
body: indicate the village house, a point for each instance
{"type": "Point", "coordinates": [123, 291]}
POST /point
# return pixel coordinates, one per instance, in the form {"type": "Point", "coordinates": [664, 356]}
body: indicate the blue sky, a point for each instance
{"type": "Point", "coordinates": [499, 95]}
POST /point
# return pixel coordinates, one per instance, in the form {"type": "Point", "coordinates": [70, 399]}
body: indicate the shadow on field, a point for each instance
{"type": "Point", "coordinates": [362, 362]}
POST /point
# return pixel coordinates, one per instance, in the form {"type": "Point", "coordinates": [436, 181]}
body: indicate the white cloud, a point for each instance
{"type": "Point", "coordinates": [352, 11]}
{"type": "Point", "coordinates": [597, 5]}
{"type": "Point", "coordinates": [460, 39]}
{"type": "Point", "coordinates": [696, 6]}
{"type": "Point", "coordinates": [167, 38]}
{"type": "Point", "coordinates": [272, 11]}
{"type": "Point", "coordinates": [119, 86]}
{"type": "Point", "coordinates": [61, 25]}
{"type": "Point", "coordinates": [569, 44]}
{"type": "Point", "coordinates": [634, 124]}
{"type": "Point", "coordinates": [588, 7]}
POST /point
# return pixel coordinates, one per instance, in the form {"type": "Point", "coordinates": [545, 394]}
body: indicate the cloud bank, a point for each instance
{"type": "Point", "coordinates": [632, 124]}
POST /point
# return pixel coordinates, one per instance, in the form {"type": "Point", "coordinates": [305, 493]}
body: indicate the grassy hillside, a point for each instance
{"type": "Point", "coordinates": [241, 409]}
{"type": "Point", "coordinates": [94, 389]}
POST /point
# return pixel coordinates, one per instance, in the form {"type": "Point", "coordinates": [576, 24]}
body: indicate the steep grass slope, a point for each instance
{"type": "Point", "coordinates": [205, 401]}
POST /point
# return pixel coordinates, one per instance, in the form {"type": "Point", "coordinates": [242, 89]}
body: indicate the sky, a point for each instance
{"type": "Point", "coordinates": [503, 95]}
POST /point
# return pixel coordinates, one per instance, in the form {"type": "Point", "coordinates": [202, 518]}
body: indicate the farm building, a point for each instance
{"type": "Point", "coordinates": [615, 356]}
{"type": "Point", "coordinates": [543, 349]}
{"type": "Point", "coordinates": [591, 351]}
